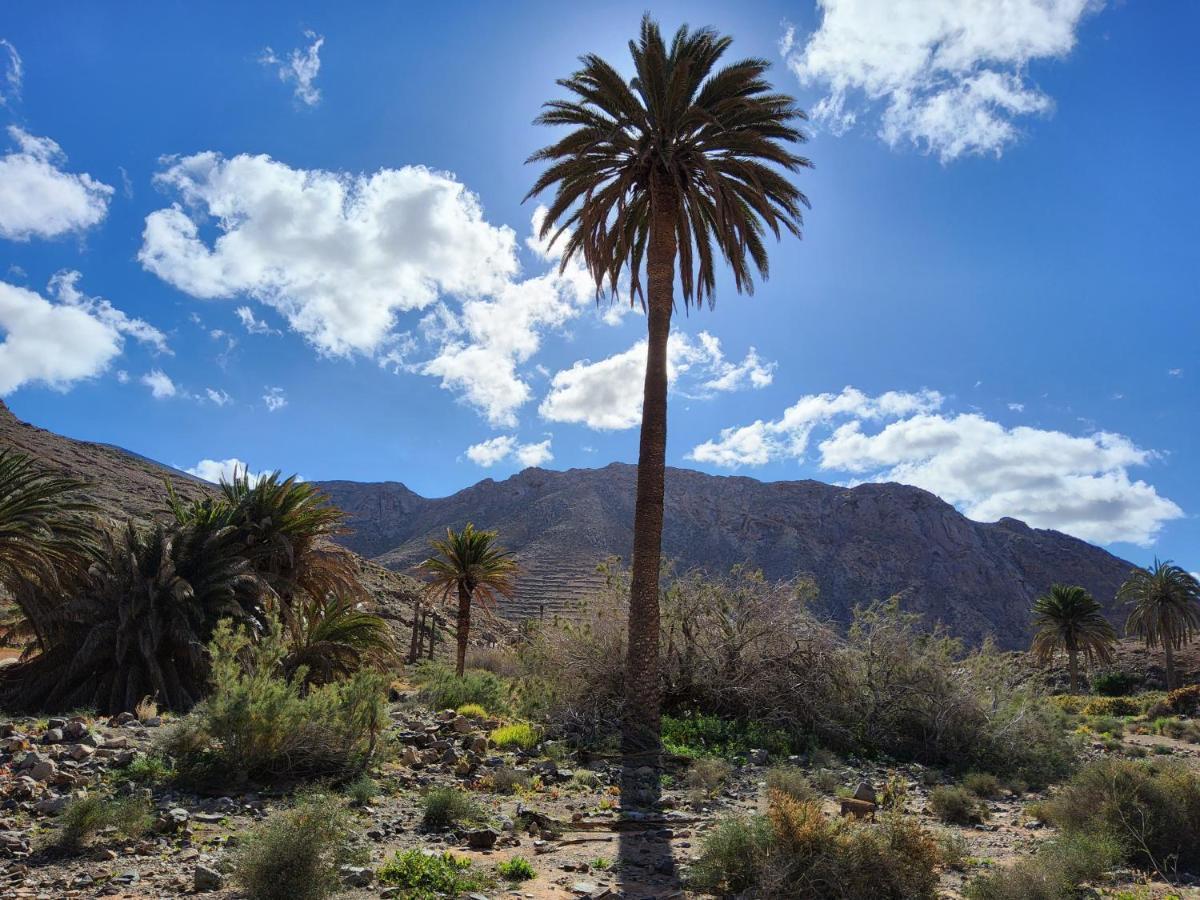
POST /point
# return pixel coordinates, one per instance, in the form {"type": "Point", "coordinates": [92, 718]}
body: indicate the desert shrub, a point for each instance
{"type": "Point", "coordinates": [587, 779]}
{"type": "Point", "coordinates": [707, 776]}
{"type": "Point", "coordinates": [982, 784]}
{"type": "Point", "coordinates": [85, 817]}
{"type": "Point", "coordinates": [1184, 701]}
{"type": "Point", "coordinates": [1069, 703]}
{"type": "Point", "coordinates": [954, 849]}
{"type": "Point", "coordinates": [1109, 725]}
{"type": "Point", "coordinates": [1111, 706]}
{"type": "Point", "coordinates": [521, 735]}
{"type": "Point", "coordinates": [444, 807]}
{"type": "Point", "coordinates": [955, 805]}
{"type": "Point", "coordinates": [497, 660]}
{"type": "Point", "coordinates": [894, 792]}
{"type": "Point", "coordinates": [294, 854]}
{"type": "Point", "coordinates": [425, 875]}
{"type": "Point", "coordinates": [1179, 729]}
{"type": "Point", "coordinates": [472, 711]}
{"type": "Point", "coordinates": [732, 856]}
{"type": "Point", "coordinates": [1115, 683]}
{"type": "Point", "coordinates": [149, 768]}
{"type": "Point", "coordinates": [696, 734]}
{"type": "Point", "coordinates": [1056, 872]}
{"type": "Point", "coordinates": [505, 780]}
{"type": "Point", "coordinates": [440, 688]}
{"type": "Point", "coordinates": [516, 869]}
{"type": "Point", "coordinates": [791, 781]}
{"type": "Point", "coordinates": [257, 725]}
{"type": "Point", "coordinates": [362, 790]}
{"type": "Point", "coordinates": [1151, 808]}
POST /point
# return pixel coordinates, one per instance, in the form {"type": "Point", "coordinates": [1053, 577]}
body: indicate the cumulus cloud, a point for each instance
{"type": "Point", "coordinates": [63, 339]}
{"type": "Point", "coordinates": [275, 399]}
{"type": "Point", "coordinates": [252, 323]}
{"type": "Point", "coordinates": [38, 198]}
{"type": "Point", "coordinates": [160, 384]}
{"type": "Point", "coordinates": [300, 68]}
{"type": "Point", "coordinates": [506, 447]}
{"type": "Point", "coordinates": [951, 77]}
{"type": "Point", "coordinates": [14, 73]}
{"type": "Point", "coordinates": [217, 397]}
{"type": "Point", "coordinates": [338, 256]}
{"type": "Point", "coordinates": [607, 395]}
{"type": "Point", "coordinates": [219, 470]}
{"type": "Point", "coordinates": [1079, 484]}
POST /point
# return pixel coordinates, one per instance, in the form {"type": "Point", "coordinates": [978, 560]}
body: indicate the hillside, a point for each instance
{"type": "Point", "coordinates": [860, 544]}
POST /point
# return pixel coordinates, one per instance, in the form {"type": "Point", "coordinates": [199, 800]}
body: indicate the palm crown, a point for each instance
{"type": "Point", "coordinates": [1165, 612]}
{"type": "Point", "coordinates": [1069, 618]}
{"type": "Point", "coordinates": [682, 139]}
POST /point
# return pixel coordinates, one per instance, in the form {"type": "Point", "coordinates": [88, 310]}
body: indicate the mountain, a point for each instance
{"type": "Point", "coordinates": [860, 544]}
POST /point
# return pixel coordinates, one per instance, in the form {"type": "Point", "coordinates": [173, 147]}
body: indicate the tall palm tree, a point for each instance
{"type": "Point", "coordinates": [1166, 609]}
{"type": "Point", "coordinates": [472, 565]}
{"type": "Point", "coordinates": [678, 164]}
{"type": "Point", "coordinates": [1068, 618]}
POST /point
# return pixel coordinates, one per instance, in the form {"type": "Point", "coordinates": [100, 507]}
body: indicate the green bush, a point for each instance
{"type": "Point", "coordinates": [1150, 808]}
{"type": "Point", "coordinates": [295, 853]}
{"type": "Point", "coordinates": [1109, 725]}
{"type": "Point", "coordinates": [148, 769]}
{"type": "Point", "coordinates": [257, 725]}
{"type": "Point", "coordinates": [707, 776]}
{"type": "Point", "coordinates": [472, 711]}
{"type": "Point", "coordinates": [791, 781]}
{"type": "Point", "coordinates": [794, 851]}
{"type": "Point", "coordinates": [440, 688]}
{"type": "Point", "coordinates": [982, 784]}
{"type": "Point", "coordinates": [362, 790]}
{"type": "Point", "coordinates": [444, 807]}
{"type": "Point", "coordinates": [1115, 683]}
{"type": "Point", "coordinates": [84, 817]}
{"type": "Point", "coordinates": [706, 735]}
{"type": "Point", "coordinates": [1111, 706]}
{"type": "Point", "coordinates": [516, 869]}
{"type": "Point", "coordinates": [505, 780]}
{"type": "Point", "coordinates": [955, 805]}
{"type": "Point", "coordinates": [1179, 729]}
{"type": "Point", "coordinates": [1056, 872]}
{"type": "Point", "coordinates": [521, 735]}
{"type": "Point", "coordinates": [425, 875]}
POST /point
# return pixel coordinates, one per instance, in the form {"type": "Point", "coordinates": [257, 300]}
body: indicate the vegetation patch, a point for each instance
{"type": "Point", "coordinates": [520, 735]}
{"type": "Point", "coordinates": [85, 817]}
{"type": "Point", "coordinates": [791, 781]}
{"type": "Point", "coordinates": [956, 805]}
{"type": "Point", "coordinates": [444, 807]}
{"type": "Point", "coordinates": [516, 869]}
{"type": "Point", "coordinates": [1058, 871]}
{"type": "Point", "coordinates": [425, 875]}
{"type": "Point", "coordinates": [472, 711]}
{"type": "Point", "coordinates": [439, 688]}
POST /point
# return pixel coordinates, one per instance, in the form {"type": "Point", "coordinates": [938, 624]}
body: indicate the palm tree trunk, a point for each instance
{"type": "Point", "coordinates": [1169, 653]}
{"type": "Point", "coordinates": [414, 648]}
{"type": "Point", "coordinates": [464, 626]}
{"type": "Point", "coordinates": [1073, 668]}
{"type": "Point", "coordinates": [641, 732]}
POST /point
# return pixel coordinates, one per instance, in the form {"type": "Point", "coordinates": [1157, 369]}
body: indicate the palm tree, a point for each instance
{"type": "Point", "coordinates": [333, 638]}
{"type": "Point", "coordinates": [1165, 610]}
{"type": "Point", "coordinates": [678, 164]}
{"type": "Point", "coordinates": [1068, 618]}
{"type": "Point", "coordinates": [471, 564]}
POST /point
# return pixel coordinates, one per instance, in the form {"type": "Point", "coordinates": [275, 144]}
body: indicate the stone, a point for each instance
{"type": "Point", "coordinates": [31, 759]}
{"type": "Point", "coordinates": [53, 736]}
{"type": "Point", "coordinates": [410, 757]}
{"type": "Point", "coordinates": [80, 752]}
{"type": "Point", "coordinates": [481, 838]}
{"type": "Point", "coordinates": [74, 730]}
{"type": "Point", "coordinates": [865, 792]}
{"type": "Point", "coordinates": [356, 876]}
{"type": "Point", "coordinates": [50, 806]}
{"type": "Point", "coordinates": [43, 771]}
{"type": "Point", "coordinates": [56, 723]}
{"type": "Point", "coordinates": [759, 757]}
{"type": "Point", "coordinates": [205, 879]}
{"type": "Point", "coordinates": [462, 725]}
{"type": "Point", "coordinates": [117, 743]}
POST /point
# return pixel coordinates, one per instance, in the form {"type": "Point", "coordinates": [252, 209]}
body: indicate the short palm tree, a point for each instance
{"type": "Point", "coordinates": [677, 165]}
{"type": "Point", "coordinates": [471, 565]}
{"type": "Point", "coordinates": [1166, 609]}
{"type": "Point", "coordinates": [1068, 618]}
{"type": "Point", "coordinates": [333, 638]}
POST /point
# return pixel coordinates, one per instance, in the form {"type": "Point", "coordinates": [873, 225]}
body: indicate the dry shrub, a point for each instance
{"type": "Point", "coordinates": [501, 661]}
{"type": "Point", "coordinates": [1057, 871]}
{"type": "Point", "coordinates": [708, 776]}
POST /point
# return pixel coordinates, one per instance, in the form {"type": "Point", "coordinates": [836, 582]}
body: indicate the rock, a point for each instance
{"type": "Point", "coordinates": [481, 839]}
{"type": "Point", "coordinates": [759, 757]}
{"type": "Point", "coordinates": [172, 820]}
{"type": "Point", "coordinates": [51, 806]}
{"type": "Point", "coordinates": [53, 736]}
{"type": "Point", "coordinates": [356, 876]}
{"type": "Point", "coordinates": [117, 743]}
{"type": "Point", "coordinates": [205, 879]}
{"type": "Point", "coordinates": [462, 725]}
{"type": "Point", "coordinates": [56, 723]}
{"type": "Point", "coordinates": [31, 759]}
{"type": "Point", "coordinates": [80, 752]}
{"type": "Point", "coordinates": [74, 730]}
{"type": "Point", "coordinates": [43, 771]}
{"type": "Point", "coordinates": [584, 888]}
{"type": "Point", "coordinates": [865, 792]}
{"type": "Point", "coordinates": [410, 757]}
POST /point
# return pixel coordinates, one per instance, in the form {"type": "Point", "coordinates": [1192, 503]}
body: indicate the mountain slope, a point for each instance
{"type": "Point", "coordinates": [860, 544]}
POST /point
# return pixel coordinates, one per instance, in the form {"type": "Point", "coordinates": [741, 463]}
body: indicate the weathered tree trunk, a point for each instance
{"type": "Point", "coordinates": [1169, 654]}
{"type": "Point", "coordinates": [464, 626]}
{"type": "Point", "coordinates": [414, 644]}
{"type": "Point", "coordinates": [1073, 666]}
{"type": "Point", "coordinates": [641, 732]}
{"type": "Point", "coordinates": [433, 634]}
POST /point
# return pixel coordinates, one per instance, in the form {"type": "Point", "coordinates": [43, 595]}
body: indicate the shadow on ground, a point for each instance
{"type": "Point", "coordinates": [646, 865]}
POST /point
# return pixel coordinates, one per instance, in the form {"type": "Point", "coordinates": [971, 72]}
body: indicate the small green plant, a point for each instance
{"type": "Point", "coordinates": [424, 875]}
{"type": "Point", "coordinates": [954, 805]}
{"type": "Point", "coordinates": [895, 792]}
{"type": "Point", "coordinates": [362, 790]}
{"type": "Point", "coordinates": [1115, 683]}
{"type": "Point", "coordinates": [601, 864]}
{"type": "Point", "coordinates": [707, 775]}
{"type": "Point", "coordinates": [1056, 872]}
{"type": "Point", "coordinates": [84, 817]}
{"type": "Point", "coordinates": [1109, 726]}
{"type": "Point", "coordinates": [791, 781]}
{"type": "Point", "coordinates": [586, 779]}
{"type": "Point", "coordinates": [472, 711]}
{"type": "Point", "coordinates": [295, 854]}
{"type": "Point", "coordinates": [516, 869]}
{"type": "Point", "coordinates": [445, 807]}
{"type": "Point", "coordinates": [954, 850]}
{"type": "Point", "coordinates": [732, 855]}
{"type": "Point", "coordinates": [439, 688]}
{"type": "Point", "coordinates": [521, 735]}
{"type": "Point", "coordinates": [982, 784]}
{"type": "Point", "coordinates": [149, 769]}
{"type": "Point", "coordinates": [505, 780]}
{"type": "Point", "coordinates": [704, 735]}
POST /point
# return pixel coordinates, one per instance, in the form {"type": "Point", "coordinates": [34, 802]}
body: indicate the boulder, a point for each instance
{"type": "Point", "coordinates": [865, 792]}
{"type": "Point", "coordinates": [205, 879]}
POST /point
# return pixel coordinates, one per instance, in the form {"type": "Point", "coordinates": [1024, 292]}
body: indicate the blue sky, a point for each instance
{"type": "Point", "coordinates": [294, 237]}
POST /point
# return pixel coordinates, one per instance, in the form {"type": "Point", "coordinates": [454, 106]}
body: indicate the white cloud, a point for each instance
{"type": "Point", "coordinates": [218, 397]}
{"type": "Point", "coordinates": [251, 323]}
{"type": "Point", "coordinates": [1049, 479]}
{"type": "Point", "coordinates": [274, 398]}
{"type": "Point", "coordinates": [506, 447]}
{"type": "Point", "coordinates": [218, 470]}
{"type": "Point", "coordinates": [337, 255]}
{"type": "Point", "coordinates": [1175, 373]}
{"type": "Point", "coordinates": [951, 75]}
{"type": "Point", "coordinates": [299, 67]}
{"type": "Point", "coordinates": [1016, 407]}
{"type": "Point", "coordinates": [122, 376]}
{"type": "Point", "coordinates": [160, 384]}
{"type": "Point", "coordinates": [607, 395]}
{"type": "Point", "coordinates": [39, 199]}
{"type": "Point", "coordinates": [14, 72]}
{"type": "Point", "coordinates": [64, 286]}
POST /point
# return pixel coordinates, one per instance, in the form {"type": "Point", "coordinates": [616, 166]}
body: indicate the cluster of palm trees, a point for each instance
{"type": "Point", "coordinates": [1164, 602]}
{"type": "Point", "coordinates": [108, 615]}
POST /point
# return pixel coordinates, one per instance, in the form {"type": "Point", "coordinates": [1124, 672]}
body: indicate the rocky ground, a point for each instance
{"type": "Point", "coordinates": [568, 822]}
